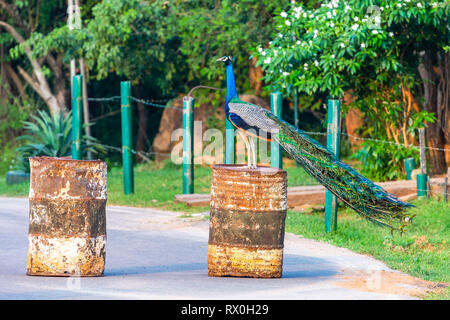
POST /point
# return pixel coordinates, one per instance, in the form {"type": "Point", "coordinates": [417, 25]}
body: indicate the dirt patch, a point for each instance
{"type": "Point", "coordinates": [381, 281]}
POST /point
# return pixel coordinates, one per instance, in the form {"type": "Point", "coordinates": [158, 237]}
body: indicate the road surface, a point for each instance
{"type": "Point", "coordinates": [154, 254]}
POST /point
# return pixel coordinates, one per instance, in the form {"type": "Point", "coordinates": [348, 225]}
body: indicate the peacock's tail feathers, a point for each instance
{"type": "Point", "coordinates": [362, 195]}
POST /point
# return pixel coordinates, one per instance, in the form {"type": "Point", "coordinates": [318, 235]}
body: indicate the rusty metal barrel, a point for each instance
{"type": "Point", "coordinates": [67, 219]}
{"type": "Point", "coordinates": [247, 221]}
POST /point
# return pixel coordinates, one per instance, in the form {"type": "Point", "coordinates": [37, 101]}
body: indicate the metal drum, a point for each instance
{"type": "Point", "coordinates": [67, 228]}
{"type": "Point", "coordinates": [246, 230]}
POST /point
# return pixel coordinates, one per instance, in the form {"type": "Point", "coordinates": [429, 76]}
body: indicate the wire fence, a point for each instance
{"type": "Point", "coordinates": [378, 140]}
{"type": "Point", "coordinates": [156, 103]}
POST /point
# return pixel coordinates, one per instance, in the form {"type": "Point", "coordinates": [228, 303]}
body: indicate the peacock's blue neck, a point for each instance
{"type": "Point", "coordinates": [231, 86]}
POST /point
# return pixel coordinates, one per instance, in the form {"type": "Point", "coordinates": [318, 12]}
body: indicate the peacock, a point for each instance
{"type": "Point", "coordinates": [362, 195]}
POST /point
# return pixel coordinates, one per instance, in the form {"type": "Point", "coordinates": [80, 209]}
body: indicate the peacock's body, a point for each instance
{"type": "Point", "coordinates": [362, 195]}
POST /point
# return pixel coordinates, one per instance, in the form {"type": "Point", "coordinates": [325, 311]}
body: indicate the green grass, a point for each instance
{"type": "Point", "coordinates": [422, 251]}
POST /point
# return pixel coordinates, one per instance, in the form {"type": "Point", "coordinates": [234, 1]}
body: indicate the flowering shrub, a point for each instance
{"type": "Point", "coordinates": [325, 49]}
{"type": "Point", "coordinates": [370, 49]}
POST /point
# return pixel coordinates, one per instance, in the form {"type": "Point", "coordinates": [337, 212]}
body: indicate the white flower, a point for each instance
{"type": "Point", "coordinates": [391, 34]}
{"type": "Point", "coordinates": [419, 5]}
{"type": "Point", "coordinates": [355, 27]}
{"type": "Point", "coordinates": [267, 61]}
{"type": "Point", "coordinates": [342, 45]}
{"type": "Point", "coordinates": [374, 31]}
{"type": "Point", "coordinates": [285, 73]}
{"type": "Point", "coordinates": [399, 5]}
{"type": "Point", "coordinates": [356, 18]}
{"type": "Point", "coordinates": [363, 45]}
{"type": "Point", "coordinates": [333, 56]}
{"type": "Point", "coordinates": [310, 42]}
{"type": "Point", "coordinates": [304, 15]}
{"type": "Point", "coordinates": [297, 42]}
{"type": "Point", "coordinates": [334, 12]}
{"type": "Point", "coordinates": [260, 49]}
{"type": "Point", "coordinates": [347, 8]}
{"type": "Point", "coordinates": [331, 24]}
{"type": "Point", "coordinates": [263, 53]}
{"type": "Point", "coordinates": [316, 31]}
{"type": "Point", "coordinates": [280, 35]}
{"type": "Point", "coordinates": [328, 14]}
{"type": "Point", "coordinates": [283, 14]}
{"type": "Point", "coordinates": [377, 20]}
{"type": "Point", "coordinates": [287, 22]}
{"type": "Point", "coordinates": [316, 63]}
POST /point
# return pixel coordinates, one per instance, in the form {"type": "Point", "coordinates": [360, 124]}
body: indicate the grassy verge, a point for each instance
{"type": "Point", "coordinates": [423, 251]}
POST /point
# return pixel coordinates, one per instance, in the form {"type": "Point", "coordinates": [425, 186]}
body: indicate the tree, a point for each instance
{"type": "Point", "coordinates": [20, 19]}
{"type": "Point", "coordinates": [389, 54]}
{"type": "Point", "coordinates": [164, 47]}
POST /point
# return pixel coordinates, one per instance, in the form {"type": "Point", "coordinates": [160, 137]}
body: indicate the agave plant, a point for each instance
{"type": "Point", "coordinates": [50, 135]}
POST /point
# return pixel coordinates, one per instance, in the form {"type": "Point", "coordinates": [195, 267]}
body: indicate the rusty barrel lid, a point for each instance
{"type": "Point", "coordinates": [52, 177]}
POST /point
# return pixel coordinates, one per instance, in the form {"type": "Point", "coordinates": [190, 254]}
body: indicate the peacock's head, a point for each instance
{"type": "Point", "coordinates": [226, 59]}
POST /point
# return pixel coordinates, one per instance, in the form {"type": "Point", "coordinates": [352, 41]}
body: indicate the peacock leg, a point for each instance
{"type": "Point", "coordinates": [247, 146]}
{"type": "Point", "coordinates": [253, 151]}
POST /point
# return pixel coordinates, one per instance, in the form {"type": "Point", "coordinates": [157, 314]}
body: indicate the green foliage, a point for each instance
{"type": "Point", "coordinates": [49, 136]}
{"type": "Point", "coordinates": [13, 111]}
{"type": "Point", "coordinates": [324, 49]}
{"type": "Point", "coordinates": [383, 161]}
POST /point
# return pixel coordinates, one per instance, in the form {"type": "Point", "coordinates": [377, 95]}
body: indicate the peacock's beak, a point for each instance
{"type": "Point", "coordinates": [223, 59]}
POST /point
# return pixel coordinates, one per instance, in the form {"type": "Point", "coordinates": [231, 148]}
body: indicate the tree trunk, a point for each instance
{"type": "Point", "coordinates": [38, 82]}
{"type": "Point", "coordinates": [431, 71]}
{"type": "Point", "coordinates": [11, 74]}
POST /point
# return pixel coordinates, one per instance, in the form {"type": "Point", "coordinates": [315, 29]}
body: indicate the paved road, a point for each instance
{"type": "Point", "coordinates": [153, 254]}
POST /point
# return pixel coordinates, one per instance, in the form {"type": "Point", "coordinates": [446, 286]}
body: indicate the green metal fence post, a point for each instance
{"type": "Point", "coordinates": [333, 145]}
{"type": "Point", "coordinates": [188, 145]}
{"type": "Point", "coordinates": [422, 184]}
{"type": "Point", "coordinates": [276, 106]}
{"type": "Point", "coordinates": [127, 137]}
{"type": "Point", "coordinates": [230, 142]}
{"type": "Point", "coordinates": [409, 167]}
{"type": "Point", "coordinates": [77, 116]}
